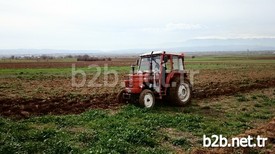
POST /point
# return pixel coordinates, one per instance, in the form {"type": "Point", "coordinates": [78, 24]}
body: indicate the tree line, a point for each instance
{"type": "Point", "coordinates": [48, 57]}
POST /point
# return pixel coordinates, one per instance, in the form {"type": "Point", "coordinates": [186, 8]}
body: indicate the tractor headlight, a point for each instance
{"type": "Point", "coordinates": [146, 79]}
{"type": "Point", "coordinates": [128, 90]}
{"type": "Point", "coordinates": [141, 86]}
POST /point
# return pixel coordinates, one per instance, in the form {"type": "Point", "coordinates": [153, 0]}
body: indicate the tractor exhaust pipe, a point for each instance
{"type": "Point", "coordinates": [151, 63]}
{"type": "Point", "coordinates": [133, 69]}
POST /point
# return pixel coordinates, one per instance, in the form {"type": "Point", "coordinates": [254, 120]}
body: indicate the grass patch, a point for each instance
{"type": "Point", "coordinates": [34, 73]}
{"type": "Point", "coordinates": [241, 98]}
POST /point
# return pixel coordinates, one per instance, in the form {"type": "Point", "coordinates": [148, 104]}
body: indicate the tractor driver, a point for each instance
{"type": "Point", "coordinates": [156, 69]}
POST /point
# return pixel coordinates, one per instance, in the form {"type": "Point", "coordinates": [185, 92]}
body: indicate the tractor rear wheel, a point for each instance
{"type": "Point", "coordinates": [181, 93]}
{"type": "Point", "coordinates": [147, 99]}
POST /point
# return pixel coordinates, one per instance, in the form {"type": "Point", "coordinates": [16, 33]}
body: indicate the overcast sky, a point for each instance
{"type": "Point", "coordinates": [126, 24]}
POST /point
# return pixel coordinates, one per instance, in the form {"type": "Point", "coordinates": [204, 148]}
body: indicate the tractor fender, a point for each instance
{"type": "Point", "coordinates": [172, 75]}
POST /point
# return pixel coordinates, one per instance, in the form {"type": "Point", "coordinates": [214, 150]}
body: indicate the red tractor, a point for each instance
{"type": "Point", "coordinates": [160, 75]}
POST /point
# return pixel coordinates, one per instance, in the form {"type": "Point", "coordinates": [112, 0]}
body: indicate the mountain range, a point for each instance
{"type": "Point", "coordinates": [193, 45]}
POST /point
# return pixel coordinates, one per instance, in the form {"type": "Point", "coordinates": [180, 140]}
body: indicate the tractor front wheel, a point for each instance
{"type": "Point", "coordinates": [120, 97]}
{"type": "Point", "coordinates": [147, 99]}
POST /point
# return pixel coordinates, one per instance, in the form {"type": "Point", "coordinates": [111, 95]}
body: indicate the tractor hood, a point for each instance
{"type": "Point", "coordinates": [135, 82]}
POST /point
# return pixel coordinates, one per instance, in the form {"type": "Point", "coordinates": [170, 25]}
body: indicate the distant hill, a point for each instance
{"type": "Point", "coordinates": [194, 45]}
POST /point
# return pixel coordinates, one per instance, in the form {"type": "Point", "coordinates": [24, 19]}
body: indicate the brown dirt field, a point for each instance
{"type": "Point", "coordinates": [43, 102]}
{"type": "Point", "coordinates": [126, 62]}
{"type": "Point", "coordinates": [23, 97]}
{"type": "Point", "coordinates": [217, 89]}
{"type": "Point", "coordinates": [24, 108]}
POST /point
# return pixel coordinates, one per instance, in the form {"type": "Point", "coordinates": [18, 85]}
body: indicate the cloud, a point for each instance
{"type": "Point", "coordinates": [174, 27]}
{"type": "Point", "coordinates": [235, 36]}
{"type": "Point", "coordinates": [182, 26]}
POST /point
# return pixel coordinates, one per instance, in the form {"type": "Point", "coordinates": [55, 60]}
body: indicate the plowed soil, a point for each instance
{"type": "Point", "coordinates": [216, 89]}
{"type": "Point", "coordinates": [74, 104]}
{"type": "Point", "coordinates": [23, 108]}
